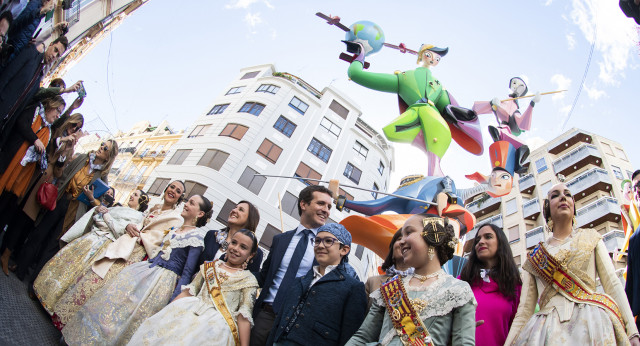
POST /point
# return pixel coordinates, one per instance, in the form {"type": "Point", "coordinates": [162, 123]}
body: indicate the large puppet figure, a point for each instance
{"type": "Point", "coordinates": [511, 123]}
{"type": "Point", "coordinates": [430, 116]}
{"type": "Point", "coordinates": [506, 160]}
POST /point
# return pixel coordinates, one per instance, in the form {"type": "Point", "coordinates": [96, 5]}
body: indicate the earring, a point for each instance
{"type": "Point", "coordinates": [574, 221]}
{"type": "Point", "coordinates": [245, 264]}
{"type": "Point", "coordinates": [431, 253]}
{"type": "Point", "coordinates": [550, 225]}
{"type": "Point", "coordinates": [195, 220]}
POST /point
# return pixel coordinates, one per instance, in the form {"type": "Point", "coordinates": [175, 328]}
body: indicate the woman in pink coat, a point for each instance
{"type": "Point", "coordinates": [495, 281]}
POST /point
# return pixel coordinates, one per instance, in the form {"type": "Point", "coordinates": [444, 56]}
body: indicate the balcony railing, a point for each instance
{"type": "Point", "coordinates": [567, 140]}
{"type": "Point", "coordinates": [577, 158]}
{"type": "Point", "coordinates": [613, 240]}
{"type": "Point", "coordinates": [296, 80]}
{"type": "Point", "coordinates": [127, 150]}
{"type": "Point", "coordinates": [531, 209]}
{"type": "Point", "coordinates": [604, 209]}
{"type": "Point", "coordinates": [482, 207]}
{"type": "Point", "coordinates": [527, 184]}
{"type": "Point", "coordinates": [534, 236]}
{"type": "Point", "coordinates": [589, 182]}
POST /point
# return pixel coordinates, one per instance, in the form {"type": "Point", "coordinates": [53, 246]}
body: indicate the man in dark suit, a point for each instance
{"type": "Point", "coordinates": [20, 80]}
{"type": "Point", "coordinates": [632, 287]}
{"type": "Point", "coordinates": [291, 256]}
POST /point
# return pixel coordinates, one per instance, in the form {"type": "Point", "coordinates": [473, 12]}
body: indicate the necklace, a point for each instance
{"type": "Point", "coordinates": [230, 267]}
{"type": "Point", "coordinates": [562, 241]}
{"type": "Point", "coordinates": [423, 278]}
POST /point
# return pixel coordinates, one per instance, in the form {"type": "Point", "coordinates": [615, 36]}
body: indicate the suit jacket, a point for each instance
{"type": "Point", "coordinates": [330, 311]}
{"type": "Point", "coordinates": [21, 133]}
{"type": "Point", "coordinates": [211, 247]}
{"type": "Point", "coordinates": [270, 267]}
{"type": "Point", "coordinates": [632, 288]}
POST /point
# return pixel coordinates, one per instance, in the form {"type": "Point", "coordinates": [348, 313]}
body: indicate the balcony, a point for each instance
{"type": "Point", "coordinates": [534, 236]}
{"type": "Point", "coordinates": [613, 240]}
{"type": "Point", "coordinates": [567, 140]}
{"type": "Point", "coordinates": [589, 182]}
{"type": "Point", "coordinates": [531, 209]}
{"type": "Point", "coordinates": [576, 159]}
{"type": "Point", "coordinates": [527, 184]}
{"type": "Point", "coordinates": [299, 81]}
{"type": "Point", "coordinates": [483, 207]}
{"type": "Point", "coordinates": [468, 238]}
{"type": "Point", "coordinates": [602, 210]}
{"type": "Point", "coordinates": [127, 150]}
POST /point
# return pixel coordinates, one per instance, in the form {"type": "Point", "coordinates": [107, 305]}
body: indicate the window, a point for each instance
{"type": "Point", "coordinates": [235, 131]}
{"type": "Point", "coordinates": [607, 149]}
{"type": "Point", "coordinates": [223, 215]}
{"type": "Point", "coordinates": [252, 108]}
{"type": "Point", "coordinates": [285, 126]}
{"type": "Point", "coordinates": [352, 173]}
{"type": "Point", "coordinates": [304, 171]}
{"type": "Point", "coordinates": [339, 109]}
{"type": "Point", "coordinates": [517, 260]}
{"type": "Point", "coordinates": [512, 206]}
{"type": "Point", "coordinates": [199, 131]}
{"type": "Point", "coordinates": [375, 188]}
{"type": "Point", "coordinates": [544, 188]}
{"type": "Point", "coordinates": [320, 150]}
{"type": "Point", "coordinates": [129, 172]}
{"type": "Point", "coordinates": [514, 233]}
{"type": "Point", "coordinates": [250, 181]}
{"type": "Point", "coordinates": [218, 109]}
{"type": "Point", "coordinates": [620, 153]}
{"type": "Point", "coordinates": [290, 205]}
{"type": "Point", "coordinates": [381, 167]}
{"type": "Point", "coordinates": [267, 236]}
{"type": "Point", "coordinates": [298, 105]}
{"type": "Point", "coordinates": [250, 75]}
{"type": "Point", "coordinates": [192, 188]}
{"type": "Point", "coordinates": [617, 172]}
{"type": "Point", "coordinates": [213, 158]}
{"type": "Point", "coordinates": [158, 186]}
{"type": "Point", "coordinates": [235, 90]}
{"type": "Point", "coordinates": [331, 127]}
{"type": "Point", "coordinates": [268, 88]}
{"type": "Point", "coordinates": [361, 149]}
{"type": "Point", "coordinates": [360, 252]}
{"type": "Point", "coordinates": [541, 165]}
{"type": "Point", "coordinates": [344, 193]}
{"type": "Point", "coordinates": [179, 157]}
{"type": "Point", "coordinates": [269, 151]}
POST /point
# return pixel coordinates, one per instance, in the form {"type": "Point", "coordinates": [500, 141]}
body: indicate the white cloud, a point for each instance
{"type": "Point", "coordinates": [245, 4]}
{"type": "Point", "coordinates": [615, 35]}
{"type": "Point", "coordinates": [571, 41]}
{"type": "Point", "coordinates": [562, 83]}
{"type": "Point", "coordinates": [593, 92]}
{"type": "Point", "coordinates": [535, 142]}
{"type": "Point", "coordinates": [548, 2]}
{"type": "Point", "coordinates": [253, 19]}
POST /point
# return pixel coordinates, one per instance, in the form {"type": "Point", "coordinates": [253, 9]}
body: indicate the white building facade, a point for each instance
{"type": "Point", "coordinates": [274, 123]}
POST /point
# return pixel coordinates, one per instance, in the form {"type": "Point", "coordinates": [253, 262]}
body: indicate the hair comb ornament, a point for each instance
{"type": "Point", "coordinates": [430, 230]}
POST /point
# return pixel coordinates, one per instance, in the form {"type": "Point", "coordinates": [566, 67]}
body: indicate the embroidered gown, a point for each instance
{"type": "Point", "coordinates": [562, 321]}
{"type": "Point", "coordinates": [115, 312]}
{"type": "Point", "coordinates": [87, 282]}
{"type": "Point", "coordinates": [74, 259]}
{"type": "Point", "coordinates": [447, 308]}
{"type": "Point", "coordinates": [195, 320]}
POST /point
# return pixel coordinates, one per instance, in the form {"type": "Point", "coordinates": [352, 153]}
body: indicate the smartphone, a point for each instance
{"type": "Point", "coordinates": [36, 34]}
{"type": "Point", "coordinates": [82, 92]}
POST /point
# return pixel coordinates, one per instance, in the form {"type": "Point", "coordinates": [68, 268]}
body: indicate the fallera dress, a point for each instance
{"type": "Point", "coordinates": [563, 320]}
{"type": "Point", "coordinates": [115, 312]}
{"type": "Point", "coordinates": [195, 320]}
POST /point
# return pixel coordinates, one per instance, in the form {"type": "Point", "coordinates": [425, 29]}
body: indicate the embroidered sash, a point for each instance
{"type": "Point", "coordinates": [556, 274]}
{"type": "Point", "coordinates": [405, 319]}
{"type": "Point", "coordinates": [213, 286]}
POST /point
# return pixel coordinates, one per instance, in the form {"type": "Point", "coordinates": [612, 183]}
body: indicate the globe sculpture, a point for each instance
{"type": "Point", "coordinates": [367, 33]}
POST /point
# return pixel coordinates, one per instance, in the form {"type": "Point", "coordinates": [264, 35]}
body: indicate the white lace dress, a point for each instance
{"type": "Point", "coordinates": [447, 307]}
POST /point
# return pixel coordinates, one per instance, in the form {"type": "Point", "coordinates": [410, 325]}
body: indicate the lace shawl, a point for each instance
{"type": "Point", "coordinates": [172, 241]}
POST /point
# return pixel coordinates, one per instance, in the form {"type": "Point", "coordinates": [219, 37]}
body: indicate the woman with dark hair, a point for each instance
{"type": "Point", "coordinates": [142, 289]}
{"type": "Point", "coordinates": [495, 281]}
{"type": "Point", "coordinates": [403, 307]}
{"type": "Point", "coordinates": [104, 226]}
{"type": "Point", "coordinates": [201, 307]}
{"type": "Point", "coordinates": [393, 265]}
{"type": "Point", "coordinates": [560, 275]}
{"type": "Point", "coordinates": [119, 254]}
{"type": "Point", "coordinates": [245, 215]}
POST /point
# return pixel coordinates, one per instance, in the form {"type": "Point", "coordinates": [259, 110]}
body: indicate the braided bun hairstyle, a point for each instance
{"type": "Point", "coordinates": [438, 233]}
{"type": "Point", "coordinates": [143, 201]}
{"type": "Point", "coordinates": [207, 208]}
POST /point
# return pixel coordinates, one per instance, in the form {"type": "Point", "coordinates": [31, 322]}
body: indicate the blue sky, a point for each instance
{"type": "Point", "coordinates": [171, 59]}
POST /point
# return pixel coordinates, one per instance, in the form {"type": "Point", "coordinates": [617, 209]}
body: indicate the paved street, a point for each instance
{"type": "Point", "coordinates": [22, 320]}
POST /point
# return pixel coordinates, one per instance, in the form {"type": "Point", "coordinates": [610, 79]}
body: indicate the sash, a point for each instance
{"type": "Point", "coordinates": [406, 321]}
{"type": "Point", "coordinates": [213, 286]}
{"type": "Point", "coordinates": [556, 274]}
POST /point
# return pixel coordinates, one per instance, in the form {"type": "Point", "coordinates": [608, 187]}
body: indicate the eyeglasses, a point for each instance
{"type": "Point", "coordinates": [326, 241]}
{"type": "Point", "coordinates": [104, 147]}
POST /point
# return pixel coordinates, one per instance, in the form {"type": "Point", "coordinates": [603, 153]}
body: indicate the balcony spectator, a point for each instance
{"type": "Point", "coordinates": [26, 24]}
